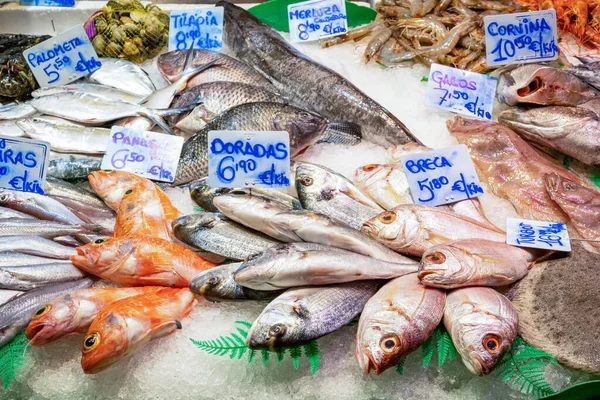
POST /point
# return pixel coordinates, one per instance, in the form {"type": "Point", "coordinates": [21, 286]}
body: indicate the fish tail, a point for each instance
{"type": "Point", "coordinates": [342, 133]}
{"type": "Point", "coordinates": [156, 117]}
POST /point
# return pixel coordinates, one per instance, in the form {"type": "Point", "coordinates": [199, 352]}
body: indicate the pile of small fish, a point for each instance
{"type": "Point", "coordinates": [448, 32]}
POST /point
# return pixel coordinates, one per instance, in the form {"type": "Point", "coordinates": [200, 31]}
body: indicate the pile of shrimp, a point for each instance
{"type": "Point", "coordinates": [448, 32]}
{"type": "Point", "coordinates": [581, 18]}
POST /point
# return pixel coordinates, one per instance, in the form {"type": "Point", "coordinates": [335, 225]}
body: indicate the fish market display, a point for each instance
{"type": "Point", "coordinates": [510, 167]}
{"type": "Point", "coordinates": [297, 264]}
{"type": "Point", "coordinates": [412, 228]}
{"type": "Point", "coordinates": [123, 75]}
{"type": "Point", "coordinates": [306, 83]}
{"type": "Point", "coordinates": [16, 79]}
{"type": "Point", "coordinates": [125, 326]}
{"type": "Point", "coordinates": [538, 84]}
{"type": "Point", "coordinates": [474, 262]}
{"type": "Point", "coordinates": [395, 321]}
{"type": "Point", "coordinates": [482, 324]}
{"type": "Point", "coordinates": [302, 314]}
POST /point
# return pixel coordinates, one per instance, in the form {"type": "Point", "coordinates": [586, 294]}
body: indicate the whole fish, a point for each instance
{"type": "Point", "coordinates": [16, 314]}
{"type": "Point", "coordinates": [326, 192]}
{"type": "Point", "coordinates": [83, 207]}
{"type": "Point", "coordinates": [14, 259]}
{"type": "Point", "coordinates": [386, 184]}
{"type": "Point", "coordinates": [123, 75]}
{"type": "Point", "coordinates": [141, 213]}
{"type": "Point", "coordinates": [39, 206]}
{"type": "Point", "coordinates": [303, 314]}
{"type": "Point", "coordinates": [219, 235]}
{"type": "Point", "coordinates": [47, 229]}
{"type": "Point", "coordinates": [412, 228]}
{"type": "Point", "coordinates": [216, 98]}
{"type": "Point", "coordinates": [581, 204]}
{"type": "Point", "coordinates": [106, 92]}
{"type": "Point", "coordinates": [27, 277]}
{"type": "Point", "coordinates": [140, 260]}
{"type": "Point", "coordinates": [227, 69]}
{"type": "Point", "coordinates": [6, 295]}
{"type": "Point", "coordinates": [73, 313]}
{"type": "Point", "coordinates": [16, 111]}
{"type": "Point", "coordinates": [306, 83]}
{"type": "Point", "coordinates": [587, 72]}
{"type": "Point", "coordinates": [574, 131]}
{"type": "Point", "coordinates": [112, 185]}
{"type": "Point", "coordinates": [304, 128]}
{"type": "Point", "coordinates": [316, 228]}
{"type": "Point", "coordinates": [10, 213]}
{"type": "Point", "coordinates": [204, 195]}
{"type": "Point", "coordinates": [64, 136]}
{"type": "Point", "coordinates": [510, 167]}
{"type": "Point", "coordinates": [482, 324]}
{"type": "Point", "coordinates": [127, 325]}
{"type": "Point", "coordinates": [58, 188]}
{"type": "Point", "coordinates": [10, 128]}
{"type": "Point", "coordinates": [474, 262]}
{"type": "Point", "coordinates": [73, 166]}
{"type": "Point", "coordinates": [36, 246]}
{"type": "Point", "coordinates": [218, 284]}
{"type": "Point", "coordinates": [395, 321]}
{"type": "Point", "coordinates": [297, 264]}
{"type": "Point", "coordinates": [538, 84]}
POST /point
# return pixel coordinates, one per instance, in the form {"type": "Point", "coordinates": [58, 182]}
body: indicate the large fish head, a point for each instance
{"type": "Point", "coordinates": [278, 326]}
{"type": "Point", "coordinates": [304, 127]}
{"type": "Point", "coordinates": [396, 225]}
{"type": "Point", "coordinates": [203, 194]}
{"type": "Point", "coordinates": [139, 197]}
{"type": "Point", "coordinates": [563, 190]}
{"type": "Point", "coordinates": [102, 254]}
{"type": "Point", "coordinates": [445, 264]}
{"type": "Point", "coordinates": [112, 185]}
{"type": "Point", "coordinates": [53, 320]}
{"type": "Point", "coordinates": [194, 222]}
{"type": "Point", "coordinates": [216, 283]}
{"type": "Point", "coordinates": [312, 183]}
{"type": "Point", "coordinates": [106, 343]}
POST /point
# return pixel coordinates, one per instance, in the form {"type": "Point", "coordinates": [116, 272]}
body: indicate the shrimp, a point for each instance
{"type": "Point", "coordinates": [419, 8]}
{"type": "Point", "coordinates": [467, 59]}
{"type": "Point", "coordinates": [354, 34]}
{"type": "Point", "coordinates": [506, 6]}
{"type": "Point", "coordinates": [393, 11]}
{"type": "Point", "coordinates": [445, 46]}
{"type": "Point", "coordinates": [376, 43]}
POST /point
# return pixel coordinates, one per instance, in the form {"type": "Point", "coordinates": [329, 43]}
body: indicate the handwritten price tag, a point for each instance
{"type": "Point", "coordinates": [149, 154]}
{"type": "Point", "coordinates": [521, 38]}
{"type": "Point", "coordinates": [23, 164]}
{"type": "Point", "coordinates": [462, 92]}
{"type": "Point", "coordinates": [48, 3]}
{"type": "Point", "coordinates": [248, 159]}
{"type": "Point", "coordinates": [63, 58]}
{"type": "Point", "coordinates": [202, 27]}
{"type": "Point", "coordinates": [317, 19]}
{"type": "Point", "coordinates": [441, 176]}
{"type": "Point", "coordinates": [537, 234]}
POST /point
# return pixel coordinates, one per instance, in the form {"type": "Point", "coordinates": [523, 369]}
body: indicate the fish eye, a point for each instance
{"type": "Point", "coordinates": [306, 180]}
{"type": "Point", "coordinates": [389, 342]}
{"type": "Point", "coordinates": [128, 192]}
{"type": "Point", "coordinates": [99, 241]}
{"type": "Point", "coordinates": [304, 114]}
{"type": "Point", "coordinates": [369, 167]}
{"type": "Point", "coordinates": [436, 258]}
{"type": "Point", "coordinates": [491, 343]}
{"type": "Point", "coordinates": [213, 281]}
{"type": "Point", "coordinates": [277, 330]}
{"type": "Point", "coordinates": [387, 217]}
{"type": "Point", "coordinates": [91, 341]}
{"type": "Point", "coordinates": [570, 187]}
{"type": "Point", "coordinates": [42, 311]}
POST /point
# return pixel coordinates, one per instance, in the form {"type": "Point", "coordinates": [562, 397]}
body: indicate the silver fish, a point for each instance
{"type": "Point", "coordinates": [10, 213]}
{"type": "Point", "coordinates": [16, 314]}
{"type": "Point", "coordinates": [297, 264]}
{"type": "Point", "coordinates": [587, 72]}
{"type": "Point", "coordinates": [72, 166]}
{"type": "Point", "coordinates": [27, 277]}
{"type": "Point", "coordinates": [16, 110]}
{"type": "Point", "coordinates": [217, 284]}
{"type": "Point", "coordinates": [217, 234]}
{"type": "Point", "coordinates": [14, 259]}
{"type": "Point", "coordinates": [482, 324]}
{"type": "Point", "coordinates": [42, 207]}
{"type": "Point", "coordinates": [106, 92]}
{"type": "Point", "coordinates": [61, 190]}
{"type": "Point", "coordinates": [123, 75]}
{"type": "Point", "coordinates": [326, 192]}
{"type": "Point", "coordinates": [47, 229]}
{"type": "Point", "coordinates": [7, 295]}
{"type": "Point", "coordinates": [303, 314]}
{"type": "Point", "coordinates": [36, 246]}
{"type": "Point", "coordinates": [10, 128]}
{"type": "Point", "coordinates": [395, 321]}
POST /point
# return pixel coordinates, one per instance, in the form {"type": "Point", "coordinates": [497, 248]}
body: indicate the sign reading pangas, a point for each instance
{"type": "Point", "coordinates": [317, 19]}
{"type": "Point", "coordinates": [441, 176]}
{"type": "Point", "coordinates": [537, 234]}
{"type": "Point", "coordinates": [23, 164]}
{"type": "Point", "coordinates": [149, 154]}
{"type": "Point", "coordinates": [521, 38]}
{"type": "Point", "coordinates": [459, 91]}
{"type": "Point", "coordinates": [202, 28]}
{"type": "Point", "coordinates": [63, 58]}
{"type": "Point", "coordinates": [248, 159]}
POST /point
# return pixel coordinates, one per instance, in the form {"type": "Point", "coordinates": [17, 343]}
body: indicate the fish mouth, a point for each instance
{"type": "Point", "coordinates": [33, 333]}
{"type": "Point", "coordinates": [533, 86]}
{"type": "Point", "coordinates": [423, 274]}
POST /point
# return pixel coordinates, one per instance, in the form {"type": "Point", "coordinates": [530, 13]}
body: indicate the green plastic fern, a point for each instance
{"type": "Point", "coordinates": [427, 348]}
{"type": "Point", "coordinates": [400, 366]}
{"type": "Point", "coordinates": [12, 358]}
{"type": "Point", "coordinates": [523, 366]}
{"type": "Point", "coordinates": [311, 350]}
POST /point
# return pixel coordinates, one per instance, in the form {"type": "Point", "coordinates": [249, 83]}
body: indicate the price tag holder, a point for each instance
{"type": "Point", "coordinates": [63, 58]}
{"type": "Point", "coordinates": [152, 155]}
{"type": "Point", "coordinates": [202, 27]}
{"type": "Point", "coordinates": [537, 234]}
{"type": "Point", "coordinates": [248, 159]}
{"type": "Point", "coordinates": [317, 19]}
{"type": "Point", "coordinates": [23, 164]}
{"type": "Point", "coordinates": [441, 176]}
{"type": "Point", "coordinates": [48, 3]}
{"type": "Point", "coordinates": [521, 37]}
{"type": "Point", "coordinates": [462, 92]}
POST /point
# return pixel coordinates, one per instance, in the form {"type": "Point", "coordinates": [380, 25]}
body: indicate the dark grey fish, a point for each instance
{"type": "Point", "coordinates": [47, 229]}
{"type": "Point", "coordinates": [73, 167]}
{"type": "Point", "coordinates": [346, 133]}
{"type": "Point", "coordinates": [306, 83]}
{"type": "Point", "coordinates": [27, 277]}
{"type": "Point", "coordinates": [304, 128]}
{"type": "Point", "coordinates": [218, 284]}
{"type": "Point", "coordinates": [37, 246]}
{"type": "Point", "coordinates": [16, 314]}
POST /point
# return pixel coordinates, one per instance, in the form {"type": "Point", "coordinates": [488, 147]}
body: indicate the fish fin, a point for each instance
{"type": "Point", "coordinates": [300, 310]}
{"type": "Point", "coordinates": [347, 133]}
{"type": "Point", "coordinates": [163, 329]}
{"type": "Point", "coordinates": [189, 72]}
{"type": "Point", "coordinates": [158, 120]}
{"type": "Point", "coordinates": [165, 112]}
{"type": "Point", "coordinates": [189, 59]}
